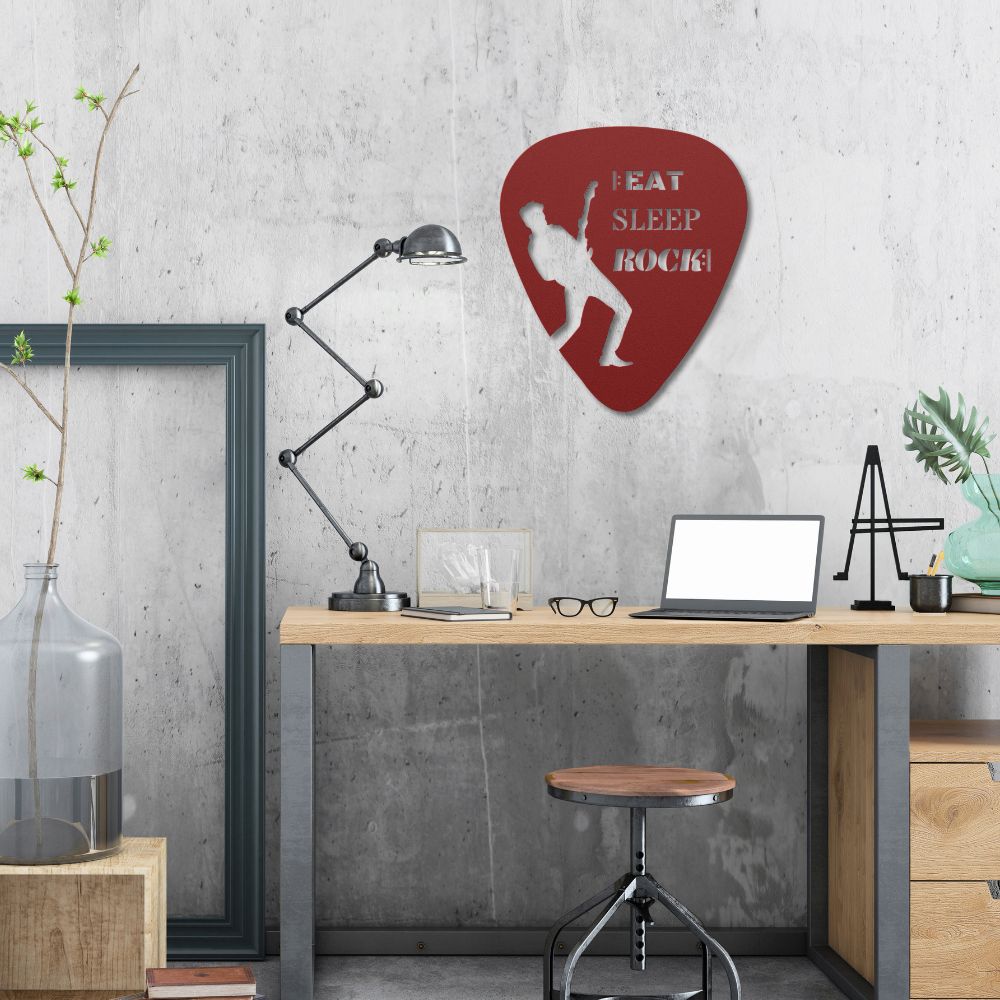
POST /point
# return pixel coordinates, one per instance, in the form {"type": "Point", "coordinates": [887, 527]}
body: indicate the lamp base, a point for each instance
{"type": "Point", "coordinates": [348, 600]}
{"type": "Point", "coordinates": [860, 605]}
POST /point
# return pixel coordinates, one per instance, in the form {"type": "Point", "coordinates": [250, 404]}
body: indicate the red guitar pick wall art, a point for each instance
{"type": "Point", "coordinates": [623, 239]}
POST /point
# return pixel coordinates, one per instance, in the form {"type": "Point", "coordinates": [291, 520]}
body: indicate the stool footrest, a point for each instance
{"type": "Point", "coordinates": [694, 995]}
{"type": "Point", "coordinates": [639, 889]}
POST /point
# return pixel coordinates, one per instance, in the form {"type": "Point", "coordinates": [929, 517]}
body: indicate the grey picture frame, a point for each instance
{"type": "Point", "coordinates": [239, 932]}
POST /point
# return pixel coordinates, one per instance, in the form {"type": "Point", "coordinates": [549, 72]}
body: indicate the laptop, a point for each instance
{"type": "Point", "coordinates": [755, 567]}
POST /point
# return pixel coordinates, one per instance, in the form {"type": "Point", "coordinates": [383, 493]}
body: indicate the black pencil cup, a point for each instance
{"type": "Point", "coordinates": [930, 594]}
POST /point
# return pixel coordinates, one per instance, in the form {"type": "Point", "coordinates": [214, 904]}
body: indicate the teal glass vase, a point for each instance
{"type": "Point", "coordinates": [972, 551]}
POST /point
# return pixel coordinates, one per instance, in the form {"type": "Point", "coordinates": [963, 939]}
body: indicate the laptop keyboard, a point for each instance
{"type": "Point", "coordinates": [767, 616]}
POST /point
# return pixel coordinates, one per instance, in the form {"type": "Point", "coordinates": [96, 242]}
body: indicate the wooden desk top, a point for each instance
{"type": "Point", "coordinates": [830, 627]}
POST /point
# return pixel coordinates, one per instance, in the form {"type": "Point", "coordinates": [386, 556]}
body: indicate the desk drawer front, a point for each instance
{"type": "Point", "coordinates": [954, 941]}
{"type": "Point", "coordinates": [954, 822]}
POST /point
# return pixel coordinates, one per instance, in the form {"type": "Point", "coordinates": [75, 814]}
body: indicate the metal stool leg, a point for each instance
{"type": "Point", "coordinates": [640, 890]}
{"type": "Point", "coordinates": [693, 924]}
{"type": "Point", "coordinates": [641, 921]}
{"type": "Point", "coordinates": [566, 919]}
{"type": "Point", "coordinates": [595, 928]}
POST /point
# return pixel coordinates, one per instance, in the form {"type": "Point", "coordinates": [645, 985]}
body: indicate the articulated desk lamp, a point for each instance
{"type": "Point", "coordinates": [425, 245]}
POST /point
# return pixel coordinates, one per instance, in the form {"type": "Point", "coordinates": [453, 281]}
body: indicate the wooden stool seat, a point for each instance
{"type": "Point", "coordinates": [640, 786]}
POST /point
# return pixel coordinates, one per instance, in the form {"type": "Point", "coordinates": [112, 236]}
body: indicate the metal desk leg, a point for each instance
{"type": "Point", "coordinates": [892, 822]}
{"type": "Point", "coordinates": [817, 817]}
{"type": "Point", "coordinates": [884, 692]}
{"type": "Point", "coordinates": [297, 854]}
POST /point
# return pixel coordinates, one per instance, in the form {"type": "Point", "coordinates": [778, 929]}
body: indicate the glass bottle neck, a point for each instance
{"type": "Point", "coordinates": [41, 571]}
{"type": "Point", "coordinates": [39, 580]}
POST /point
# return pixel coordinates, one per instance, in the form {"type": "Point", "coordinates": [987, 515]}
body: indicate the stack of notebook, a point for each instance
{"type": "Point", "coordinates": [203, 983]}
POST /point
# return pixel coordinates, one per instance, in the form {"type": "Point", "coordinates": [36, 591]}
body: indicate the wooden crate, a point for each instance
{"type": "Point", "coordinates": [95, 926]}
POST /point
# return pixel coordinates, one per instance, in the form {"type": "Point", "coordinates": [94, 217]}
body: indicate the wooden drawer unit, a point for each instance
{"type": "Point", "coordinates": [955, 860]}
{"type": "Point", "coordinates": [954, 822]}
{"type": "Point", "coordinates": [954, 941]}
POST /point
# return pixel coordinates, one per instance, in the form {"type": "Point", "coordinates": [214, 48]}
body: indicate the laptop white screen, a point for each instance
{"type": "Point", "coordinates": [743, 560]}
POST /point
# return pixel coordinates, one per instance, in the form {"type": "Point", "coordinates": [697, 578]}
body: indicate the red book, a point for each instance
{"type": "Point", "coordinates": [207, 982]}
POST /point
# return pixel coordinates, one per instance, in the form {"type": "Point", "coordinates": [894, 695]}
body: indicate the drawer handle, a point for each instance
{"type": "Point", "coordinates": [994, 888]}
{"type": "Point", "coordinates": [994, 767]}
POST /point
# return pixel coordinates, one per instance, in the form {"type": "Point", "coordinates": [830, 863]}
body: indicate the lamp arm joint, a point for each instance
{"type": "Point", "coordinates": [372, 387]}
{"type": "Point", "coordinates": [358, 550]}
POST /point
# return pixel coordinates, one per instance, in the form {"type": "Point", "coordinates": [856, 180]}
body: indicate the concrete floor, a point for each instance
{"type": "Point", "coordinates": [436, 978]}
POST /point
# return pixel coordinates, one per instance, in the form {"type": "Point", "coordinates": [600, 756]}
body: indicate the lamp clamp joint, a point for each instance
{"type": "Point", "coordinates": [293, 316]}
{"type": "Point", "coordinates": [385, 247]}
{"type": "Point", "coordinates": [286, 459]}
{"type": "Point", "coordinates": [374, 388]}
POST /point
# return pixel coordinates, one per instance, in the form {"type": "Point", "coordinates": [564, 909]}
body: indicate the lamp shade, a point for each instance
{"type": "Point", "coordinates": [431, 245]}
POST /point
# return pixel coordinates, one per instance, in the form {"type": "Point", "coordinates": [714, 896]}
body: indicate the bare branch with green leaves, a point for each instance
{"type": "Point", "coordinates": [13, 129]}
{"type": "Point", "coordinates": [21, 356]}
{"type": "Point", "coordinates": [60, 182]}
{"type": "Point", "coordinates": [22, 131]}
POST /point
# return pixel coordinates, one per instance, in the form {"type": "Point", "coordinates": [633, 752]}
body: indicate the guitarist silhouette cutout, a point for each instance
{"type": "Point", "coordinates": [559, 257]}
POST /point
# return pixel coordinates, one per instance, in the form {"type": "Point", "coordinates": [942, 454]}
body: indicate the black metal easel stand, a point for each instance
{"type": "Point", "coordinates": [872, 525]}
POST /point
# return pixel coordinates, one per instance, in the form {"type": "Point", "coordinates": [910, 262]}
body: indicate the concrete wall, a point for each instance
{"type": "Point", "coordinates": [271, 143]}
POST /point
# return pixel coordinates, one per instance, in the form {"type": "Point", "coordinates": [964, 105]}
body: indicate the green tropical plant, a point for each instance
{"type": "Point", "coordinates": [946, 441]}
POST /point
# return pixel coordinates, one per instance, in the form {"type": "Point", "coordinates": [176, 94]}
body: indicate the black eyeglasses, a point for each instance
{"type": "Point", "coordinates": [570, 607]}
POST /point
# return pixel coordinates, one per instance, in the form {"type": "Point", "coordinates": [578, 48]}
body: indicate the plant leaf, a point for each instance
{"type": "Point", "coordinates": [101, 247]}
{"type": "Point", "coordinates": [22, 350]}
{"type": "Point", "coordinates": [945, 441]}
{"type": "Point", "coordinates": [33, 474]}
{"type": "Point", "coordinates": [73, 297]}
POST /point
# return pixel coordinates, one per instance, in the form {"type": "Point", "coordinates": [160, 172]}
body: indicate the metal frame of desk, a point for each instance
{"type": "Point", "coordinates": [882, 638]}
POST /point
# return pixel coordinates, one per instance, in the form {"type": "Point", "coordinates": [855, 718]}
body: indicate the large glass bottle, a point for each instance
{"type": "Point", "coordinates": [60, 731]}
